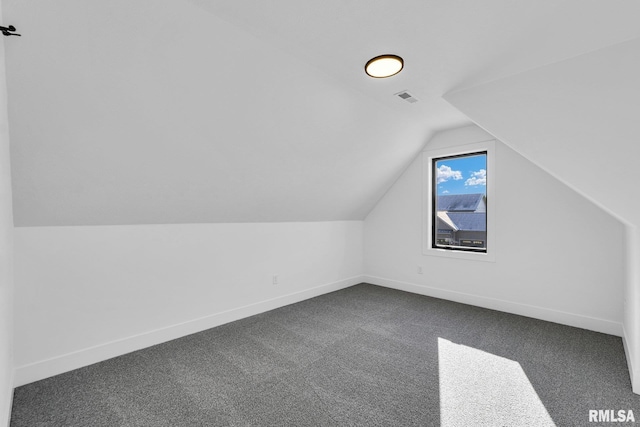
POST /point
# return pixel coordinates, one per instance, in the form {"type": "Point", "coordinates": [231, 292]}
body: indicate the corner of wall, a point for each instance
{"type": "Point", "coordinates": [631, 322]}
{"type": "Point", "coordinates": [11, 398]}
{"type": "Point", "coordinates": [7, 372]}
{"type": "Point", "coordinates": [627, 353]}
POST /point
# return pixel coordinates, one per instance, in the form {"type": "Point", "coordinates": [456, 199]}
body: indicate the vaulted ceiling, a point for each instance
{"type": "Point", "coordinates": [178, 111]}
{"type": "Point", "coordinates": [577, 119]}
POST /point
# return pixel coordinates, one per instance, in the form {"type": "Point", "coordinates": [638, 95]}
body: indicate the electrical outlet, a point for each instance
{"type": "Point", "coordinates": [419, 270]}
{"type": "Point", "coordinates": [275, 279]}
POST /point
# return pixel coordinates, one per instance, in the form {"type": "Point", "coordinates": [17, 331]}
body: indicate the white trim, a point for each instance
{"type": "Point", "coordinates": [490, 147]}
{"type": "Point", "coordinates": [10, 408]}
{"type": "Point", "coordinates": [77, 359]}
{"type": "Point", "coordinates": [635, 382]}
{"type": "Point", "coordinates": [542, 313]}
{"type": "Point", "coordinates": [631, 307]}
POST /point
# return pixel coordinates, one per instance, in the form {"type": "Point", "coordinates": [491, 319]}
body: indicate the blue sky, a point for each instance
{"type": "Point", "coordinates": [462, 175]}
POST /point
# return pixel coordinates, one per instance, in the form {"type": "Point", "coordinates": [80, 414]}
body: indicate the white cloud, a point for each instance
{"type": "Point", "coordinates": [477, 178]}
{"type": "Point", "coordinates": [445, 192]}
{"type": "Point", "coordinates": [445, 174]}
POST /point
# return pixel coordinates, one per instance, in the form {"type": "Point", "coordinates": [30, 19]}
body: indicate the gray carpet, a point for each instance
{"type": "Point", "coordinates": [362, 356]}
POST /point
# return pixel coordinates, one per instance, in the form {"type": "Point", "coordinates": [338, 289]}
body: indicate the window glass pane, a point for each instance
{"type": "Point", "coordinates": [459, 214]}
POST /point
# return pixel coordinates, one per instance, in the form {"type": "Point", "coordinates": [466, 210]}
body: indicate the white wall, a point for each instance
{"type": "Point", "coordinates": [577, 119]}
{"type": "Point", "coordinates": [536, 272]}
{"type": "Point", "coordinates": [88, 293]}
{"type": "Point", "coordinates": [632, 306]}
{"type": "Point", "coordinates": [6, 256]}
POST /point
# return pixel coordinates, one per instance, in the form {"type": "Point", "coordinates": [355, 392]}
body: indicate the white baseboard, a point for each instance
{"type": "Point", "coordinates": [633, 374]}
{"type": "Point", "coordinates": [67, 362]}
{"type": "Point", "coordinates": [47, 368]}
{"type": "Point", "coordinates": [570, 319]}
{"type": "Point", "coordinates": [7, 422]}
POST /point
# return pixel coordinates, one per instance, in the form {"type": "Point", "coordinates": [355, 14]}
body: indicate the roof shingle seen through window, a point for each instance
{"type": "Point", "coordinates": [469, 221]}
{"type": "Point", "coordinates": [459, 202]}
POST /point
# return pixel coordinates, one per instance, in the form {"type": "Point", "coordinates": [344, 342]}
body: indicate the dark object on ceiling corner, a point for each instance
{"type": "Point", "coordinates": [9, 31]}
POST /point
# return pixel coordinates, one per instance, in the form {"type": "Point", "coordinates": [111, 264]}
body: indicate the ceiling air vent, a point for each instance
{"type": "Point", "coordinates": [406, 96]}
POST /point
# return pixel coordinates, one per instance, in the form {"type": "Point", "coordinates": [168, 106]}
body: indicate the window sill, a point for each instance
{"type": "Point", "coordinates": [468, 255]}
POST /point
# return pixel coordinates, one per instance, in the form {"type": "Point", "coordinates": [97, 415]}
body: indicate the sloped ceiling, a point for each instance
{"type": "Point", "coordinates": [577, 119]}
{"type": "Point", "coordinates": [177, 111]}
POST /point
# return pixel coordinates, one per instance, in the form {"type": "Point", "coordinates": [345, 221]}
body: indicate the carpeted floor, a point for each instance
{"type": "Point", "coordinates": [362, 356]}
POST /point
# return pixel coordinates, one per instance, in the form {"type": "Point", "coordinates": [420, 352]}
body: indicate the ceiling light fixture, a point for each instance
{"type": "Point", "coordinates": [384, 66]}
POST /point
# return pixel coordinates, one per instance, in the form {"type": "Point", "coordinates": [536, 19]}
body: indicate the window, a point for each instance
{"type": "Point", "coordinates": [458, 200]}
{"type": "Point", "coordinates": [459, 206]}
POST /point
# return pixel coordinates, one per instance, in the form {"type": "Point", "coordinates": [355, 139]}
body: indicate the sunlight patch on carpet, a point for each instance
{"type": "Point", "coordinates": [478, 388]}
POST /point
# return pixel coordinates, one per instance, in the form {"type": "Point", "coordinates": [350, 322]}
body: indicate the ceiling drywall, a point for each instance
{"type": "Point", "coordinates": [176, 111]}
{"type": "Point", "coordinates": [577, 119]}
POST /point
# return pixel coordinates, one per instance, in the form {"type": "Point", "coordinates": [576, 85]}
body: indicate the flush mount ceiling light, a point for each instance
{"type": "Point", "coordinates": [384, 66]}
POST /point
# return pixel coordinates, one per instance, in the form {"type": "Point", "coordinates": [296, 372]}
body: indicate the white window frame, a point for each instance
{"type": "Point", "coordinates": [427, 188]}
